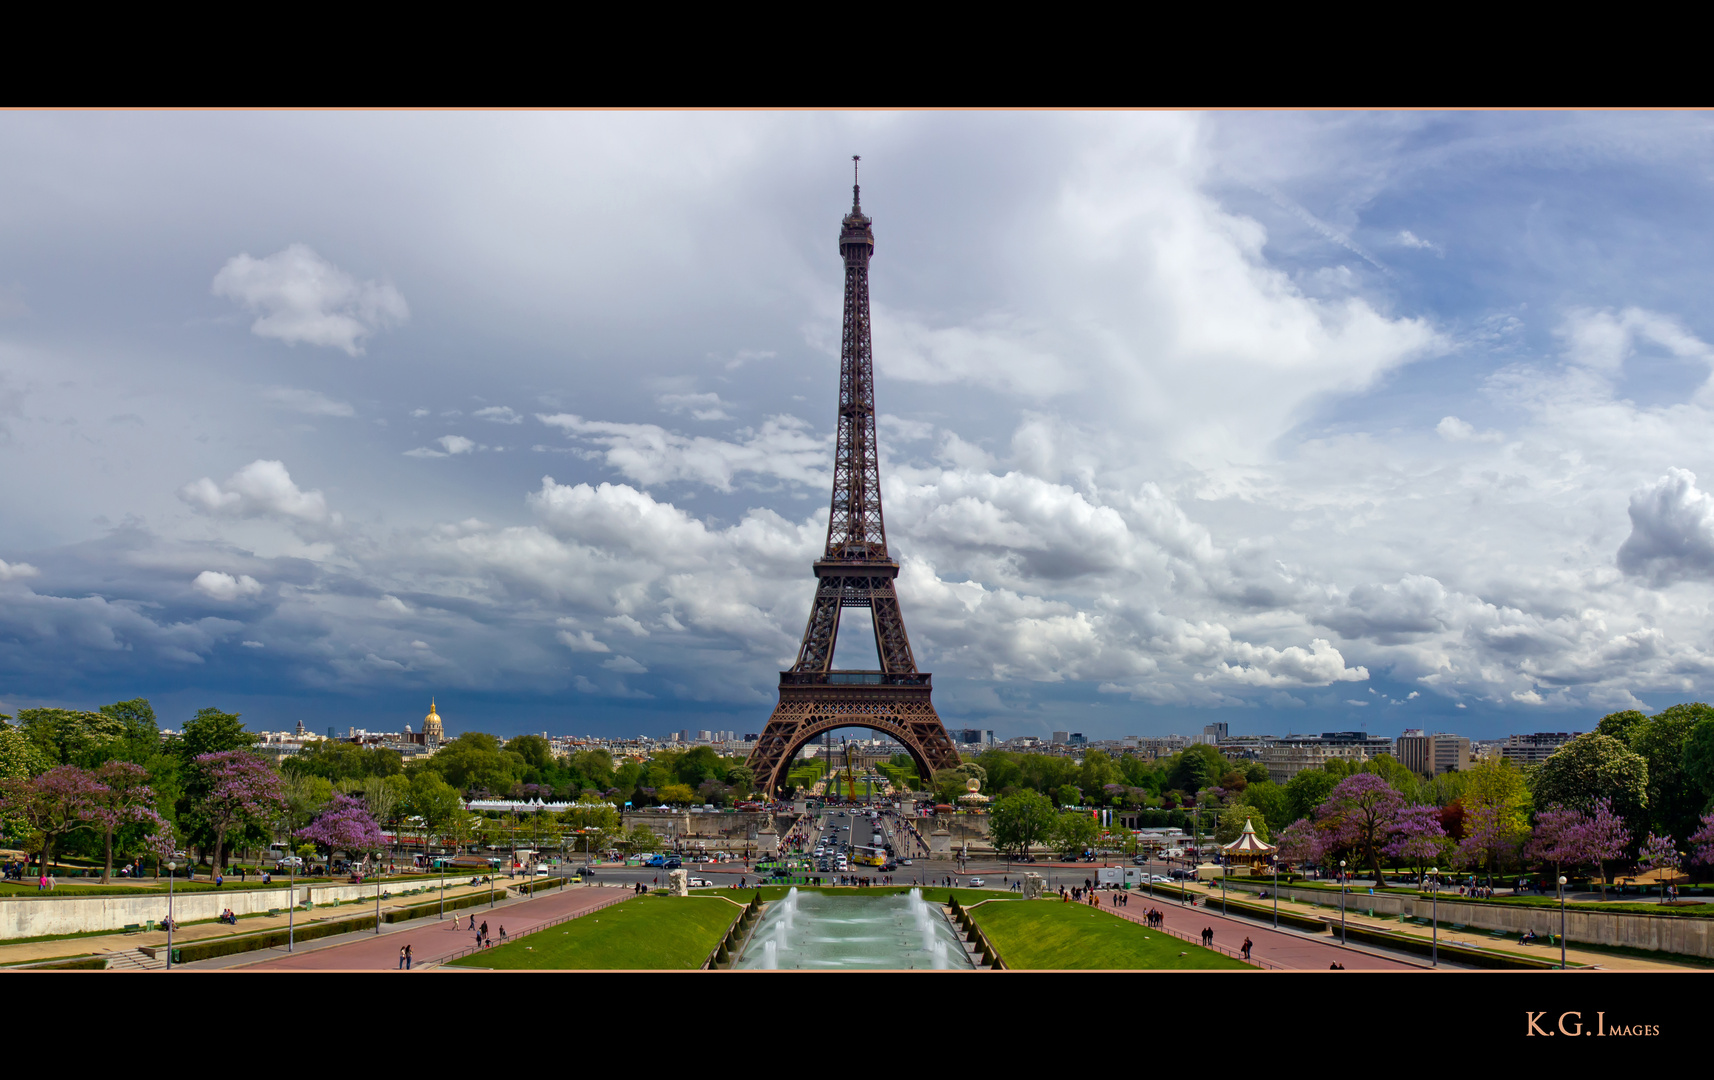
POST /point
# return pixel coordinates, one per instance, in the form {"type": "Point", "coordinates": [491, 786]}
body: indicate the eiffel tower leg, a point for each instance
{"type": "Point", "coordinates": [892, 644]}
{"type": "Point", "coordinates": [804, 712]}
{"type": "Point", "coordinates": [822, 633]}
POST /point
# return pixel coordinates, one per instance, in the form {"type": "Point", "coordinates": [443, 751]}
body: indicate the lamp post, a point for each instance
{"type": "Point", "coordinates": [378, 897]}
{"type": "Point", "coordinates": [1341, 901]}
{"type": "Point", "coordinates": [1276, 891]}
{"type": "Point", "coordinates": [291, 902]}
{"type": "Point", "coordinates": [172, 872]}
{"type": "Point", "coordinates": [1435, 903]}
{"type": "Point", "coordinates": [1562, 922]}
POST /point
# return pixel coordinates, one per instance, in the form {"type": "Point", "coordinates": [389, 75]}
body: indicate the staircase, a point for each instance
{"type": "Point", "coordinates": [135, 960]}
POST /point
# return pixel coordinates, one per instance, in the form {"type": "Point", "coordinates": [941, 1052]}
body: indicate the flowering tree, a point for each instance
{"type": "Point", "coordinates": [1659, 853]}
{"type": "Point", "coordinates": [51, 805]}
{"type": "Point", "coordinates": [1300, 843]}
{"type": "Point", "coordinates": [242, 789]}
{"type": "Point", "coordinates": [1557, 837]}
{"type": "Point", "coordinates": [344, 824]}
{"type": "Point", "coordinates": [1702, 841]}
{"type": "Point", "coordinates": [1359, 813]}
{"type": "Point", "coordinates": [122, 796]}
{"type": "Point", "coordinates": [1417, 837]}
{"type": "Point", "coordinates": [1605, 838]}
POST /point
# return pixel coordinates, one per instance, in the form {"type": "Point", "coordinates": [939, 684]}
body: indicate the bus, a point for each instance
{"type": "Point", "coordinates": [868, 856]}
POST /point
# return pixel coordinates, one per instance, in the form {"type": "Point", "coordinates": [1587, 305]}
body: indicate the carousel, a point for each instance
{"type": "Point", "coordinates": [1247, 848]}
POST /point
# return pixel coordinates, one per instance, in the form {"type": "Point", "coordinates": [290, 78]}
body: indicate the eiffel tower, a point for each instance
{"type": "Point", "coordinates": [855, 572]}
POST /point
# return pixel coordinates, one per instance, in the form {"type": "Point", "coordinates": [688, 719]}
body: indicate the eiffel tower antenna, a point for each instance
{"type": "Point", "coordinates": [856, 570]}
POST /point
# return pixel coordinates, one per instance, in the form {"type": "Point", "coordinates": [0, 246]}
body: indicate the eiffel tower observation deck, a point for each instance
{"type": "Point", "coordinates": [856, 571]}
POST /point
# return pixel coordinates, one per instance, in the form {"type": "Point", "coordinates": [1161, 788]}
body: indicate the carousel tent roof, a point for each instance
{"type": "Point", "coordinates": [1248, 843]}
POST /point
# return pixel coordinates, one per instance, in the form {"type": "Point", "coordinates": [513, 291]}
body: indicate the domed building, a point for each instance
{"type": "Point", "coordinates": [433, 735]}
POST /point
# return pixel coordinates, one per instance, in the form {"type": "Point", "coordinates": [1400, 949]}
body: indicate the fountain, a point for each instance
{"type": "Point", "coordinates": [814, 930]}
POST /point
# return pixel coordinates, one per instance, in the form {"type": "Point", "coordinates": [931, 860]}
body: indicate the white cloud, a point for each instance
{"type": "Point", "coordinates": [1672, 531]}
{"type": "Point", "coordinates": [393, 605]}
{"type": "Point", "coordinates": [629, 625]}
{"type": "Point", "coordinates": [700, 406]}
{"type": "Point", "coordinates": [499, 414]}
{"type": "Point", "coordinates": [301, 297]}
{"type": "Point", "coordinates": [1604, 340]}
{"type": "Point", "coordinates": [260, 489]}
{"type": "Point", "coordinates": [226, 587]}
{"type": "Point", "coordinates": [14, 571]}
{"type": "Point", "coordinates": [582, 641]}
{"type": "Point", "coordinates": [309, 402]}
{"type": "Point", "coordinates": [1453, 429]}
{"type": "Point", "coordinates": [449, 445]}
{"type": "Point", "coordinates": [624, 665]}
{"type": "Point", "coordinates": [1408, 239]}
{"type": "Point", "coordinates": [252, 644]}
{"type": "Point", "coordinates": [784, 448]}
{"type": "Point", "coordinates": [419, 413]}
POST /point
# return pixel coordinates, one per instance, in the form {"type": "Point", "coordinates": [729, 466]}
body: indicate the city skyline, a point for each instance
{"type": "Point", "coordinates": [1290, 422]}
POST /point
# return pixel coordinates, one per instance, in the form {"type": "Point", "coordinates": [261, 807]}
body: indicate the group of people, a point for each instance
{"type": "Point", "coordinates": [483, 940]}
{"type": "Point", "coordinates": [229, 917]}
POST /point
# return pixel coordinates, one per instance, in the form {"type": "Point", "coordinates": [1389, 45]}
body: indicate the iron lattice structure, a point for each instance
{"type": "Point", "coordinates": [856, 571]}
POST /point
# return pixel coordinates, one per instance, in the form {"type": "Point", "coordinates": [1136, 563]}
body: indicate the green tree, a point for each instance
{"type": "Point", "coordinates": [68, 736]}
{"type": "Point", "coordinates": [434, 801]}
{"type": "Point", "coordinates": [1308, 790]}
{"type": "Point", "coordinates": [677, 795]}
{"type": "Point", "coordinates": [1231, 823]}
{"type": "Point", "coordinates": [1074, 833]}
{"type": "Point", "coordinates": [1020, 820]}
{"type": "Point", "coordinates": [1273, 802]}
{"type": "Point", "coordinates": [211, 731]}
{"type": "Point", "coordinates": [1098, 771]}
{"type": "Point", "coordinates": [1698, 761]}
{"type": "Point", "coordinates": [1195, 768]}
{"type": "Point", "coordinates": [697, 764]}
{"type": "Point", "coordinates": [534, 749]}
{"type": "Point", "coordinates": [1619, 725]}
{"type": "Point", "coordinates": [1590, 767]}
{"type": "Point", "coordinates": [20, 759]}
{"type": "Point", "coordinates": [1675, 801]}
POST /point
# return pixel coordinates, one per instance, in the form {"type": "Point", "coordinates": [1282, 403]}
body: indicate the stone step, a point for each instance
{"type": "Point", "coordinates": [135, 960]}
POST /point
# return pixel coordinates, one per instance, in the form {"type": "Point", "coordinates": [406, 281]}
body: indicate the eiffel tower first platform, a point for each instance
{"type": "Point", "coordinates": [856, 571]}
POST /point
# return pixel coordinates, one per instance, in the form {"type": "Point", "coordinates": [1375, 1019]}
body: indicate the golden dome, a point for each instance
{"type": "Point", "coordinates": [432, 717]}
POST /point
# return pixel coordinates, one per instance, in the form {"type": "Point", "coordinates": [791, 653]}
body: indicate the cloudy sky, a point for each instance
{"type": "Point", "coordinates": [1294, 422]}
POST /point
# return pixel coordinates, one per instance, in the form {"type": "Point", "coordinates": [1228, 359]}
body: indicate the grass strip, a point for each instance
{"type": "Point", "coordinates": [1057, 936]}
{"type": "Point", "coordinates": [654, 932]}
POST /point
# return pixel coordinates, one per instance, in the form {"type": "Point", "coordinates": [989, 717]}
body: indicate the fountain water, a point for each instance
{"type": "Point", "coordinates": [874, 932]}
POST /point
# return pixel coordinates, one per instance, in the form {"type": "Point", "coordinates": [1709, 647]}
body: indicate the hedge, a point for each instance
{"type": "Point", "coordinates": [453, 903]}
{"type": "Point", "coordinates": [192, 951]}
{"type": "Point", "coordinates": [1481, 958]}
{"type": "Point", "coordinates": [1266, 912]}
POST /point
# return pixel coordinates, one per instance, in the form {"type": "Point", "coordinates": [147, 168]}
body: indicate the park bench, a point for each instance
{"type": "Point", "coordinates": [1457, 926]}
{"type": "Point", "coordinates": [1498, 933]}
{"type": "Point", "coordinates": [133, 928]}
{"type": "Point", "coordinates": [273, 912]}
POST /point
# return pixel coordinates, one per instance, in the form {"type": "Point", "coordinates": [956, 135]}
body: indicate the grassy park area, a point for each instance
{"type": "Point", "coordinates": [1051, 935]}
{"type": "Point", "coordinates": [650, 932]}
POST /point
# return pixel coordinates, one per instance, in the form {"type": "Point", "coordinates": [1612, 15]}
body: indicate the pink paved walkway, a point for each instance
{"type": "Point", "coordinates": [1290, 951]}
{"type": "Point", "coordinates": [433, 939]}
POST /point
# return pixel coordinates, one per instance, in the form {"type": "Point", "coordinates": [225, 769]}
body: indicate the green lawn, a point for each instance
{"type": "Point", "coordinates": [650, 932]}
{"type": "Point", "coordinates": [1053, 935]}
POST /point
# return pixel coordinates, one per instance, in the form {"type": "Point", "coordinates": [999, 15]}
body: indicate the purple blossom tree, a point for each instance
{"type": "Point", "coordinates": [1605, 838]}
{"type": "Point", "coordinates": [1558, 838]}
{"type": "Point", "coordinates": [1300, 843]}
{"type": "Point", "coordinates": [1659, 853]}
{"type": "Point", "coordinates": [344, 824]}
{"type": "Point", "coordinates": [1359, 813]}
{"type": "Point", "coordinates": [122, 797]}
{"type": "Point", "coordinates": [1417, 837]}
{"type": "Point", "coordinates": [242, 789]}
{"type": "Point", "coordinates": [53, 804]}
{"type": "Point", "coordinates": [1702, 841]}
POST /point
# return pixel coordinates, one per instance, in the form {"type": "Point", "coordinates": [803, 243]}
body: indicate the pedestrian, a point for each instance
{"type": "Point", "coordinates": [407, 958]}
{"type": "Point", "coordinates": [401, 958]}
{"type": "Point", "coordinates": [472, 922]}
{"type": "Point", "coordinates": [502, 935]}
{"type": "Point", "coordinates": [1247, 945]}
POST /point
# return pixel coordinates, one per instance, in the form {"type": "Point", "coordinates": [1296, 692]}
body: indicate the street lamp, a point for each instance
{"type": "Point", "coordinates": [1276, 862]}
{"type": "Point", "coordinates": [1341, 901]}
{"type": "Point", "coordinates": [378, 877]}
{"type": "Point", "coordinates": [172, 872]}
{"type": "Point", "coordinates": [1435, 872]}
{"type": "Point", "coordinates": [1562, 922]}
{"type": "Point", "coordinates": [291, 901]}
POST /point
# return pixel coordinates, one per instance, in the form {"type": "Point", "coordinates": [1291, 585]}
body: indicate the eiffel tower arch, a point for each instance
{"type": "Point", "coordinates": [855, 571]}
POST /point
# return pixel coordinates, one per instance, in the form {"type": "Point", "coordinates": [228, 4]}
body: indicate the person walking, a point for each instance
{"type": "Point", "coordinates": [401, 958]}
{"type": "Point", "coordinates": [407, 958]}
{"type": "Point", "coordinates": [473, 921]}
{"type": "Point", "coordinates": [1248, 944]}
